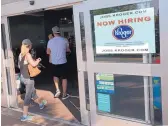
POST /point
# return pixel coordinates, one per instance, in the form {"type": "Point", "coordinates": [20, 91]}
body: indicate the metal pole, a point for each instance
{"type": "Point", "coordinates": [151, 93]}
{"type": "Point", "coordinates": [146, 92]}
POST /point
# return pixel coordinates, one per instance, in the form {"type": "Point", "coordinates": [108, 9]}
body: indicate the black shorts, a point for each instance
{"type": "Point", "coordinates": [59, 71]}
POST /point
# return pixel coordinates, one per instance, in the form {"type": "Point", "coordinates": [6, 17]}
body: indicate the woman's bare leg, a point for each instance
{"type": "Point", "coordinates": [56, 82]}
{"type": "Point", "coordinates": [25, 110]}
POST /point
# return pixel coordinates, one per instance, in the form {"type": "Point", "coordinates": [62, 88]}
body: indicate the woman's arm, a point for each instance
{"type": "Point", "coordinates": [31, 61]}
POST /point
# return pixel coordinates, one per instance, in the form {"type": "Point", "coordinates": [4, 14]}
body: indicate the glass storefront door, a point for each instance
{"type": "Point", "coordinates": [4, 101]}
{"type": "Point", "coordinates": [82, 75]}
{"type": "Point", "coordinates": [4, 89]}
{"type": "Point", "coordinates": [123, 51]}
{"type": "Point", "coordinates": [4, 98]}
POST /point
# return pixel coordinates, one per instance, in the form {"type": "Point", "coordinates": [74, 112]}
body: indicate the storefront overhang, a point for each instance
{"type": "Point", "coordinates": [20, 7]}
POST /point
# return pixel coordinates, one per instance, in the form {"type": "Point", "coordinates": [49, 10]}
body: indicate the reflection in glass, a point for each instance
{"type": "Point", "coordinates": [137, 58]}
{"type": "Point", "coordinates": [82, 29]}
{"type": "Point", "coordinates": [87, 90]}
{"type": "Point", "coordinates": [157, 101]}
{"type": "Point", "coordinates": [128, 97]}
{"type": "Point", "coordinates": [123, 95]}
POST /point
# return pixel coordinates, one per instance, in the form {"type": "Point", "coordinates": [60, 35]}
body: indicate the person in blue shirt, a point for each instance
{"type": "Point", "coordinates": [56, 49]}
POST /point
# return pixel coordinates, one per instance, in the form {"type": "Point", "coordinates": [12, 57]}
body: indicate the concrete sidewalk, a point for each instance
{"type": "Point", "coordinates": [11, 117]}
{"type": "Point", "coordinates": [7, 120]}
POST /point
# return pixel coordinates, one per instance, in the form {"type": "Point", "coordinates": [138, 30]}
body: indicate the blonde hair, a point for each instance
{"type": "Point", "coordinates": [24, 49]}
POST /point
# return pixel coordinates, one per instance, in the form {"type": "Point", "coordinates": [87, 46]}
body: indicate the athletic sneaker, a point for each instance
{"type": "Point", "coordinates": [65, 96]}
{"type": "Point", "coordinates": [26, 118]}
{"type": "Point", "coordinates": [43, 103]}
{"type": "Point", "coordinates": [57, 94]}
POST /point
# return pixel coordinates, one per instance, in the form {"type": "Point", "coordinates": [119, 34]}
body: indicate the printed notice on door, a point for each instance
{"type": "Point", "coordinates": [104, 102]}
{"type": "Point", "coordinates": [105, 83]}
{"type": "Point", "coordinates": [128, 32]}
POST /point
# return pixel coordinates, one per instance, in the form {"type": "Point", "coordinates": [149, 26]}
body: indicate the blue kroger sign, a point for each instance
{"type": "Point", "coordinates": [123, 32]}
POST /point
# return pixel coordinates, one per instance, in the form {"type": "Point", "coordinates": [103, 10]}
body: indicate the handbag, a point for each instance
{"type": "Point", "coordinates": [33, 71]}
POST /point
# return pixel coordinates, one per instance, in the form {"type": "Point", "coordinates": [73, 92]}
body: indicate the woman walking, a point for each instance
{"type": "Point", "coordinates": [26, 59]}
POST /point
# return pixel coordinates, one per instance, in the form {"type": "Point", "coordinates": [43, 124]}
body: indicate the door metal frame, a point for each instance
{"type": "Point", "coordinates": [163, 72]}
{"type": "Point", "coordinates": [4, 87]}
{"type": "Point", "coordinates": [9, 64]}
{"type": "Point", "coordinates": [124, 68]}
{"type": "Point", "coordinates": [81, 65]}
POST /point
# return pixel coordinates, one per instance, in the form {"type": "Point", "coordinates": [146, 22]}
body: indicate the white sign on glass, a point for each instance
{"type": "Point", "coordinates": [128, 32]}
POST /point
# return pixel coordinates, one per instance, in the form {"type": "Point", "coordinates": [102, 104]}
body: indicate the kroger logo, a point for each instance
{"type": "Point", "coordinates": [123, 32]}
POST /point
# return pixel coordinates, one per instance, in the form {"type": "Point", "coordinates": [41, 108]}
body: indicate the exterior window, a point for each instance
{"type": "Point", "coordinates": [117, 31]}
{"type": "Point", "coordinates": [123, 95]}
